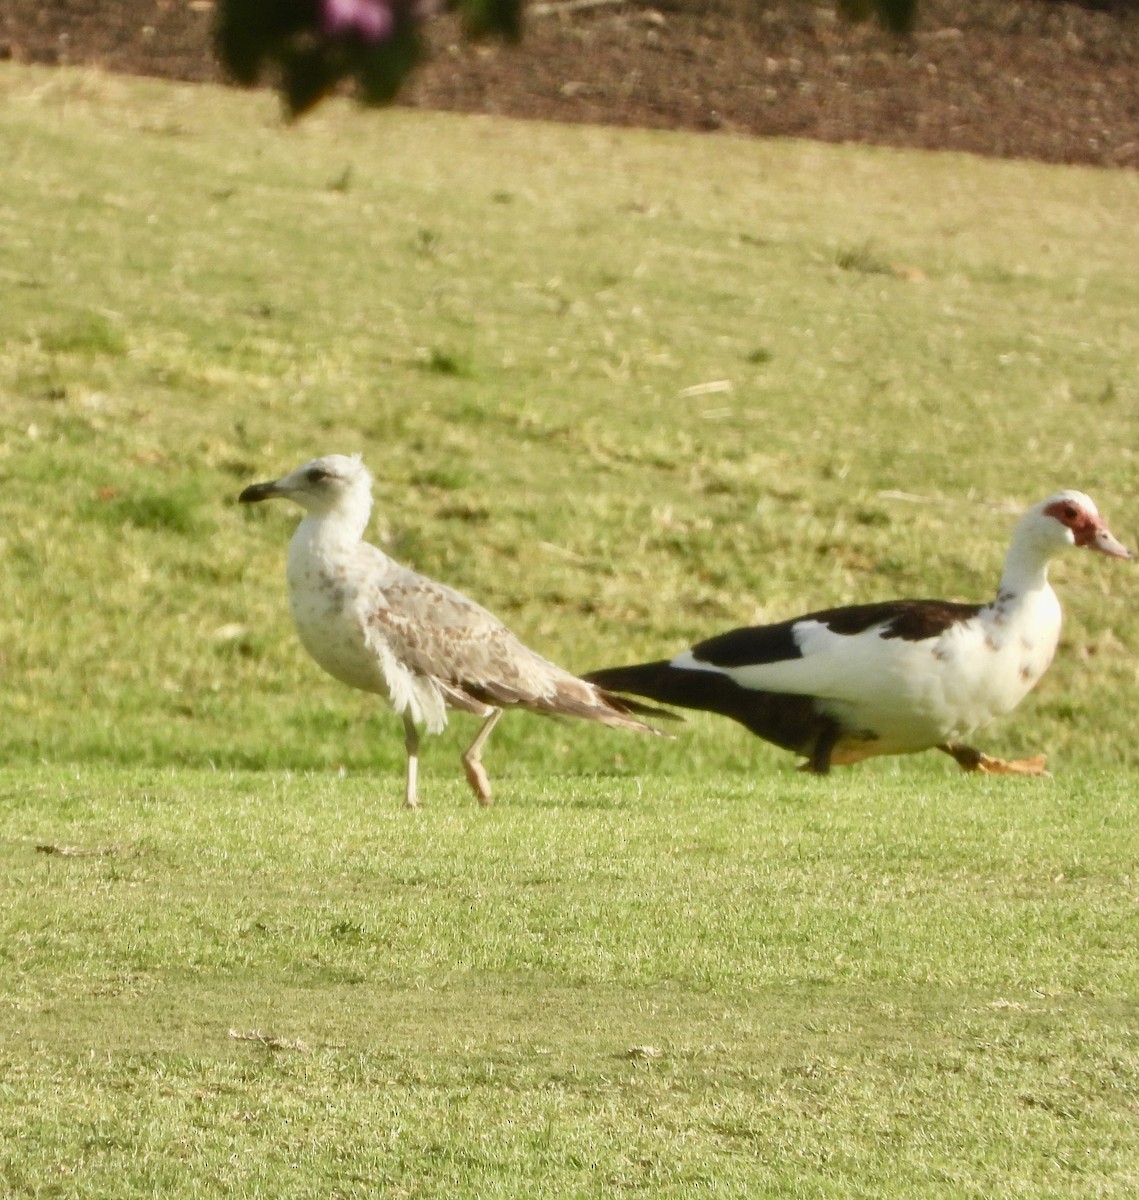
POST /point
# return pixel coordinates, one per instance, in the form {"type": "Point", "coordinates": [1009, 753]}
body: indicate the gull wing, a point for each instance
{"type": "Point", "coordinates": [438, 632]}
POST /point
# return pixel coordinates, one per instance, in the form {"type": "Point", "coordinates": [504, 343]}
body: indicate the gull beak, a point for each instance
{"type": "Point", "coordinates": [261, 491]}
{"type": "Point", "coordinates": [1106, 542]}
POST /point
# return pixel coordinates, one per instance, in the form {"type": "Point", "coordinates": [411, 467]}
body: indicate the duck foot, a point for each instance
{"type": "Point", "coordinates": [969, 759]}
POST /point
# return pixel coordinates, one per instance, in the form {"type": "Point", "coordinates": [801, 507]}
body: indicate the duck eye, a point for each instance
{"type": "Point", "coordinates": [316, 474]}
{"type": "Point", "coordinates": [1070, 512]}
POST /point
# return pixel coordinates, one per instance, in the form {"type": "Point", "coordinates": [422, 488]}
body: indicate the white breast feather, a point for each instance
{"type": "Point", "coordinates": [331, 597]}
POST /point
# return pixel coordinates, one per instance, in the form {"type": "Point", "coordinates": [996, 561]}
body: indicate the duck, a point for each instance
{"type": "Point", "coordinates": [840, 685]}
{"type": "Point", "coordinates": [381, 627]}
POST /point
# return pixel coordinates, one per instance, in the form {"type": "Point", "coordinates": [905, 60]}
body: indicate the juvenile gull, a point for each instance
{"type": "Point", "coordinates": [381, 627]}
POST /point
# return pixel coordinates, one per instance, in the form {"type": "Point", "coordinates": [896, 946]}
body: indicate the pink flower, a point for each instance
{"type": "Point", "coordinates": [369, 19]}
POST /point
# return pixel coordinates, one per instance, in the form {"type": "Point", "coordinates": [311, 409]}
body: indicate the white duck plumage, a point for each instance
{"type": "Point", "coordinates": [850, 683]}
{"type": "Point", "coordinates": [381, 627]}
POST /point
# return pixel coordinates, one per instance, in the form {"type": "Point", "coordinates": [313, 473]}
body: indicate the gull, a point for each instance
{"type": "Point", "coordinates": [381, 627]}
{"type": "Point", "coordinates": [895, 677]}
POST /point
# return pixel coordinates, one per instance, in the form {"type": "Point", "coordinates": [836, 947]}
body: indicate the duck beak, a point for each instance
{"type": "Point", "coordinates": [1106, 542]}
{"type": "Point", "coordinates": [261, 491]}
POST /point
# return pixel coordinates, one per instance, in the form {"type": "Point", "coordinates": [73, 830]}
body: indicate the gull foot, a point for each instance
{"type": "Point", "coordinates": [477, 778]}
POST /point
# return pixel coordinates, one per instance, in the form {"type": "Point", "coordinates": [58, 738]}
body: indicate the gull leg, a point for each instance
{"type": "Point", "coordinates": [969, 759]}
{"type": "Point", "coordinates": [472, 759]}
{"type": "Point", "coordinates": [411, 743]}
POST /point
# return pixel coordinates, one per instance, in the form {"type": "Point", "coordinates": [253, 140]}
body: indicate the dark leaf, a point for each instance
{"type": "Point", "coordinates": [382, 70]}
{"type": "Point", "coordinates": [483, 18]}
{"type": "Point", "coordinates": [308, 74]}
{"type": "Point", "coordinates": [896, 15]}
{"type": "Point", "coordinates": [856, 10]}
{"type": "Point", "coordinates": [248, 32]}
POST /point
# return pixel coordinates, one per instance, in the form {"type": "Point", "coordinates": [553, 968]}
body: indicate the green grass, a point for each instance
{"type": "Point", "coordinates": [627, 389]}
{"type": "Point", "coordinates": [608, 987]}
{"type": "Point", "coordinates": [516, 325]}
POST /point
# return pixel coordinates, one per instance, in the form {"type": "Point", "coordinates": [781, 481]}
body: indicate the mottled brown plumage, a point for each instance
{"type": "Point", "coordinates": [381, 627]}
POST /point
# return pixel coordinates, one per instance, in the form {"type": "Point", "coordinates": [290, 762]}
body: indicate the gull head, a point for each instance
{"type": "Point", "coordinates": [1068, 519]}
{"type": "Point", "coordinates": [336, 483]}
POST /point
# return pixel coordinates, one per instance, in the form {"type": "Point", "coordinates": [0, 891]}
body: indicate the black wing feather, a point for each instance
{"type": "Point", "coordinates": [910, 620]}
{"type": "Point", "coordinates": [793, 722]}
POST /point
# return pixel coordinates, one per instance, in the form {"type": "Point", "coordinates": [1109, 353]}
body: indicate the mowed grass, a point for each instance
{"type": "Point", "coordinates": [248, 984]}
{"type": "Point", "coordinates": [892, 354]}
{"type": "Point", "coordinates": [626, 389]}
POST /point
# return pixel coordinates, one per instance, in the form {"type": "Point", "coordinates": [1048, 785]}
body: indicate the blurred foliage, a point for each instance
{"type": "Point", "coordinates": [309, 48]}
{"type": "Point", "coordinates": [313, 46]}
{"type": "Point", "coordinates": [896, 15]}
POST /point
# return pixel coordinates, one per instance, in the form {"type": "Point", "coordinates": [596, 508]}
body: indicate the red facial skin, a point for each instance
{"type": "Point", "coordinates": [1087, 528]}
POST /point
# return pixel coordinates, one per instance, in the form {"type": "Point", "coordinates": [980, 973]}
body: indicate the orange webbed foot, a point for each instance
{"type": "Point", "coordinates": [969, 759]}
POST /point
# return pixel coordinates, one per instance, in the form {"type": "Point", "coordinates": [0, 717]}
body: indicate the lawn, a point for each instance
{"type": "Point", "coordinates": [626, 389]}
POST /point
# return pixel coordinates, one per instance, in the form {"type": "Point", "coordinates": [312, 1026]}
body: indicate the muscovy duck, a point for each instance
{"type": "Point", "coordinates": [381, 627]}
{"type": "Point", "coordinates": [845, 684]}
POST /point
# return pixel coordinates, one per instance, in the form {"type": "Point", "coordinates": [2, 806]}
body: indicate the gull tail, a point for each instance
{"type": "Point", "coordinates": [574, 697]}
{"type": "Point", "coordinates": [627, 710]}
{"type": "Point", "coordinates": [562, 694]}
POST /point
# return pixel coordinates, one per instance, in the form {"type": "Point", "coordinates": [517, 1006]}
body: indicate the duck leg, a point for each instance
{"type": "Point", "coordinates": [819, 762]}
{"type": "Point", "coordinates": [969, 759]}
{"type": "Point", "coordinates": [411, 744]}
{"type": "Point", "coordinates": [472, 759]}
